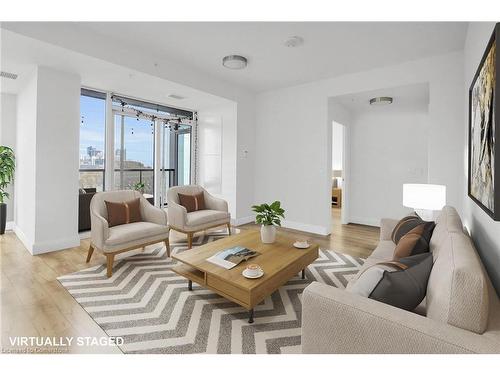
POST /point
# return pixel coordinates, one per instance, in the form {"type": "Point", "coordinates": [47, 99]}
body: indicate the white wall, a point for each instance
{"type": "Point", "coordinates": [293, 156]}
{"type": "Point", "coordinates": [25, 212]}
{"type": "Point", "coordinates": [47, 156]}
{"type": "Point", "coordinates": [8, 138]}
{"type": "Point", "coordinates": [221, 124]}
{"type": "Point", "coordinates": [337, 145]}
{"type": "Point", "coordinates": [388, 148]}
{"type": "Point", "coordinates": [57, 163]}
{"type": "Point", "coordinates": [484, 231]}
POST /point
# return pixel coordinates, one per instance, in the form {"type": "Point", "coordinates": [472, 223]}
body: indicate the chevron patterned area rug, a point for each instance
{"type": "Point", "coordinates": [150, 307]}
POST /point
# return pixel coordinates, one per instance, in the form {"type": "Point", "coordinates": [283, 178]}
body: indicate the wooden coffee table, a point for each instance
{"type": "Point", "coordinates": [280, 262]}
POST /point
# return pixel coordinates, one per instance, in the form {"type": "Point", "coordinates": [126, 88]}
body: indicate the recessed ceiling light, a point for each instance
{"type": "Point", "coordinates": [294, 41]}
{"type": "Point", "coordinates": [175, 96]}
{"type": "Point", "coordinates": [234, 62]}
{"type": "Point", "coordinates": [381, 100]}
{"type": "Point", "coordinates": [8, 75]}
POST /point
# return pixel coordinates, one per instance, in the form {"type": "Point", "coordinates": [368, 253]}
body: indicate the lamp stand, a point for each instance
{"type": "Point", "coordinates": [427, 215]}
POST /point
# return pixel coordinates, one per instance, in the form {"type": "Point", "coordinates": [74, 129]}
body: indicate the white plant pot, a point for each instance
{"type": "Point", "coordinates": [268, 233]}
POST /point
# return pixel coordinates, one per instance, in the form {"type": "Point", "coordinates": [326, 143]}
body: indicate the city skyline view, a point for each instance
{"type": "Point", "coordinates": [138, 137]}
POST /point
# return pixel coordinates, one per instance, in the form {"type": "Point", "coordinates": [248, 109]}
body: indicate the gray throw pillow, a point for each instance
{"type": "Point", "coordinates": [400, 283]}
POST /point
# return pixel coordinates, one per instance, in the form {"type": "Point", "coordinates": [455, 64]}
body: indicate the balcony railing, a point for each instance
{"type": "Point", "coordinates": [96, 178]}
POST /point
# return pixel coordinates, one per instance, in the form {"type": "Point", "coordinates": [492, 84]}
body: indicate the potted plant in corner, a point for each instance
{"type": "Point", "coordinates": [7, 166]}
{"type": "Point", "coordinates": [269, 216]}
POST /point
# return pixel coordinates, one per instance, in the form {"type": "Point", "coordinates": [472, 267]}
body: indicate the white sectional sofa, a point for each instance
{"type": "Point", "coordinates": [460, 314]}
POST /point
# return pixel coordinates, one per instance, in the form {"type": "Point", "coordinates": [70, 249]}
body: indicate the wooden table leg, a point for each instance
{"type": "Point", "coordinates": [250, 316]}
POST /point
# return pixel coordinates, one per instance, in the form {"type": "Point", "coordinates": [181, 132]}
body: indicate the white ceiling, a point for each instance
{"type": "Point", "coordinates": [330, 48]}
{"type": "Point", "coordinates": [405, 98]}
{"type": "Point", "coordinates": [21, 55]}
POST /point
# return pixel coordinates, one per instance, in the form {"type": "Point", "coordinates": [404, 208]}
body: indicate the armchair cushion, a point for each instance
{"type": "Point", "coordinates": [197, 218]}
{"type": "Point", "coordinates": [121, 235]}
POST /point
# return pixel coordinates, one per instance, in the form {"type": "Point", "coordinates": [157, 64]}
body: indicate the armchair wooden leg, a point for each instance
{"type": "Point", "coordinates": [190, 240]}
{"type": "Point", "coordinates": [229, 228]}
{"type": "Point", "coordinates": [91, 251]}
{"type": "Point", "coordinates": [110, 258]}
{"type": "Point", "coordinates": [143, 248]}
{"type": "Point", "coordinates": [167, 245]}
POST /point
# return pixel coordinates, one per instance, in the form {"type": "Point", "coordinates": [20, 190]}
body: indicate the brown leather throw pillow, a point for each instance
{"type": "Point", "coordinates": [411, 236]}
{"type": "Point", "coordinates": [123, 212]}
{"type": "Point", "coordinates": [192, 203]}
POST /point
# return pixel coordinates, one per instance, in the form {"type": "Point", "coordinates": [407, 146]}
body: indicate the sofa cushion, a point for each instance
{"type": "Point", "coordinates": [197, 218]}
{"type": "Point", "coordinates": [401, 283]}
{"type": "Point", "coordinates": [448, 221]}
{"type": "Point", "coordinates": [457, 291]}
{"type": "Point", "coordinates": [416, 241]}
{"type": "Point", "coordinates": [383, 251]}
{"type": "Point", "coordinates": [122, 234]}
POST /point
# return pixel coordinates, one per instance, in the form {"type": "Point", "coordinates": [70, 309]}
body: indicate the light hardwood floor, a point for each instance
{"type": "Point", "coordinates": [33, 303]}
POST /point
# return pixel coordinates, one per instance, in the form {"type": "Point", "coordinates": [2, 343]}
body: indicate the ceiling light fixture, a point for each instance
{"type": "Point", "coordinates": [234, 62]}
{"type": "Point", "coordinates": [294, 41]}
{"type": "Point", "coordinates": [381, 100]}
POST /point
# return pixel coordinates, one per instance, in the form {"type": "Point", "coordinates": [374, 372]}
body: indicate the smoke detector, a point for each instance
{"type": "Point", "coordinates": [8, 75]}
{"type": "Point", "coordinates": [294, 41]}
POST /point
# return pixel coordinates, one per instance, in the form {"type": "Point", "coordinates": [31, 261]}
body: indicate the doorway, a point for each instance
{"type": "Point", "coordinates": [338, 173]}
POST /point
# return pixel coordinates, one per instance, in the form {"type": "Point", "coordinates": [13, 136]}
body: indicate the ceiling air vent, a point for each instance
{"type": "Point", "coordinates": [175, 96]}
{"type": "Point", "coordinates": [8, 75]}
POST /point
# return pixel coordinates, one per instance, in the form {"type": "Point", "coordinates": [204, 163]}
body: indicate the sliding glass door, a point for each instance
{"type": "Point", "coordinates": [175, 157]}
{"type": "Point", "coordinates": [134, 153]}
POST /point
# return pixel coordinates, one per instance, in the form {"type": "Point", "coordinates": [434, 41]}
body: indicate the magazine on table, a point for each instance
{"type": "Point", "coordinates": [231, 257]}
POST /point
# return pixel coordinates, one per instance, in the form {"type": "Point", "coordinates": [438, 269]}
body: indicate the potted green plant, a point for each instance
{"type": "Point", "coordinates": [7, 167]}
{"type": "Point", "coordinates": [140, 187]}
{"type": "Point", "coordinates": [269, 216]}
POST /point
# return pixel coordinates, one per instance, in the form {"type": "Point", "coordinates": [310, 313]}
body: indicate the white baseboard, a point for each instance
{"type": "Point", "coordinates": [10, 225]}
{"type": "Point", "coordinates": [55, 245]}
{"type": "Point", "coordinates": [242, 220]}
{"type": "Point", "coordinates": [84, 235]}
{"type": "Point", "coordinates": [316, 229]}
{"type": "Point", "coordinates": [47, 246]}
{"type": "Point", "coordinates": [22, 237]}
{"type": "Point", "coordinates": [365, 221]}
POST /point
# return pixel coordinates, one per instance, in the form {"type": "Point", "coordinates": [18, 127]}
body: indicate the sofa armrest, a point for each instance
{"type": "Point", "coordinates": [386, 228]}
{"type": "Point", "coordinates": [214, 203]}
{"type": "Point", "coordinates": [177, 215]}
{"type": "Point", "coordinates": [99, 230]}
{"type": "Point", "coordinates": [336, 321]}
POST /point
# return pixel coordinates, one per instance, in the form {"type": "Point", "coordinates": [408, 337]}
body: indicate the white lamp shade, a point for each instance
{"type": "Point", "coordinates": [424, 196]}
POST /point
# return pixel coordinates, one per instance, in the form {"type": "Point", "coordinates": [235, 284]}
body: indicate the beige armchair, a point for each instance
{"type": "Point", "coordinates": [121, 238]}
{"type": "Point", "coordinates": [215, 214]}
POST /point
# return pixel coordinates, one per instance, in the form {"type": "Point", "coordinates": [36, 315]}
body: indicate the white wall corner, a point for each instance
{"type": "Point", "coordinates": [365, 221]}
{"type": "Point", "coordinates": [315, 229]}
{"type": "Point", "coordinates": [56, 245]}
{"type": "Point", "coordinates": [242, 220]}
{"type": "Point", "coordinates": [28, 244]}
{"type": "Point", "coordinates": [10, 225]}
